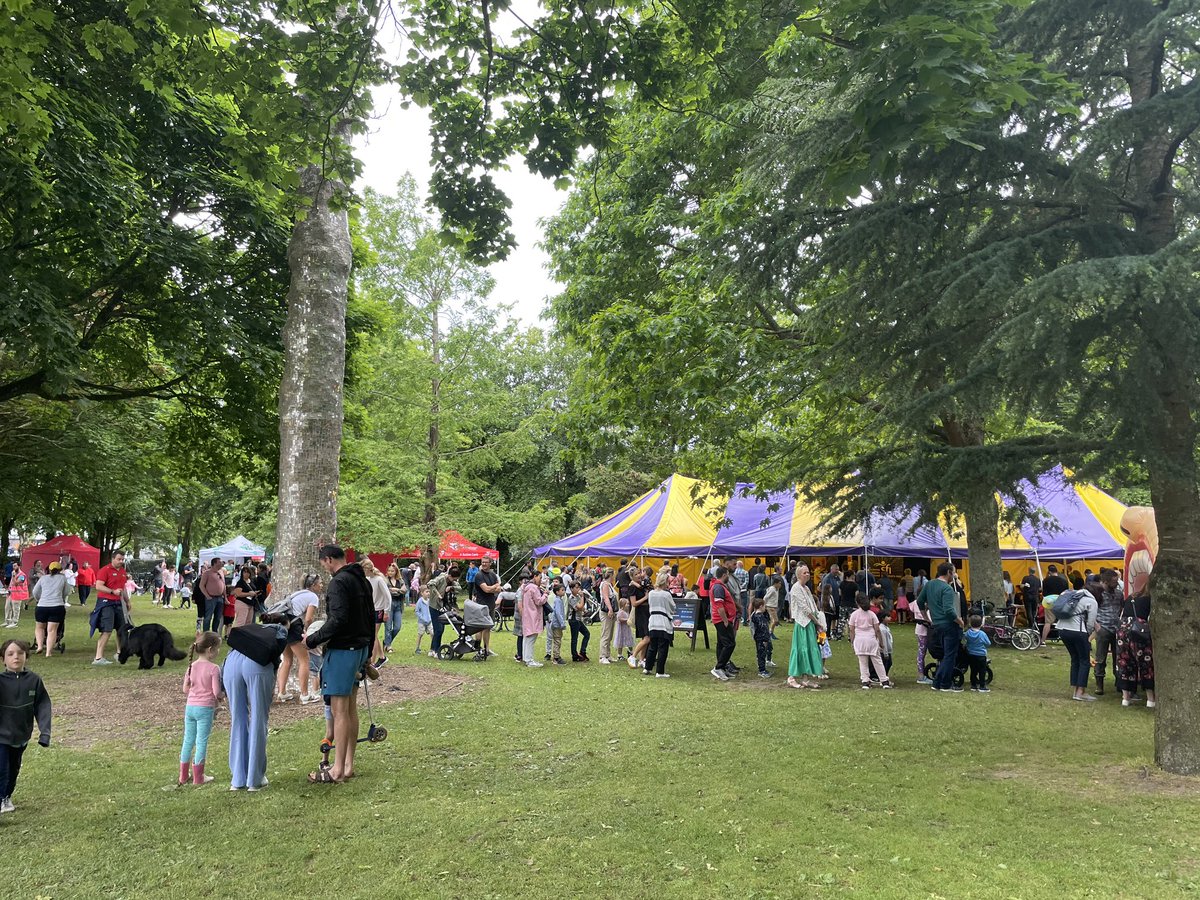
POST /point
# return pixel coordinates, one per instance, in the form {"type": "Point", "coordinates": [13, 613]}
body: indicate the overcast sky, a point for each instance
{"type": "Point", "coordinates": [398, 141]}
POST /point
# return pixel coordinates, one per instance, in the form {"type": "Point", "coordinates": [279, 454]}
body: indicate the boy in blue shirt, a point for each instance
{"type": "Point", "coordinates": [424, 617]}
{"type": "Point", "coordinates": [977, 644]}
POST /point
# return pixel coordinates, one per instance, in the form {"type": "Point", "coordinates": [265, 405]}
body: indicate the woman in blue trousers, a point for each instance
{"type": "Point", "coordinates": [249, 686]}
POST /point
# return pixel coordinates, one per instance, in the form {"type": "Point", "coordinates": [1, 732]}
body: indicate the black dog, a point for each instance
{"type": "Point", "coordinates": [146, 642]}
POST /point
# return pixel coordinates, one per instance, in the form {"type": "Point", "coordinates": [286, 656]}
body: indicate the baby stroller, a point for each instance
{"type": "Point", "coordinates": [462, 644]}
{"type": "Point", "coordinates": [961, 662]}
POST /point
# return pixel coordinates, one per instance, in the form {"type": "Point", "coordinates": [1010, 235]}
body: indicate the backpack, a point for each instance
{"type": "Point", "coordinates": [1066, 604]}
{"type": "Point", "coordinates": [261, 643]}
{"type": "Point", "coordinates": [282, 607]}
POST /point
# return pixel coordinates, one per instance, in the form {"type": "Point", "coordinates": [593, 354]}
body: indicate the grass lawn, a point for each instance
{"type": "Point", "coordinates": [593, 781]}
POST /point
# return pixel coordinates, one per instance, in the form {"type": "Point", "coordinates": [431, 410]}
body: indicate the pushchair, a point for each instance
{"type": "Point", "coordinates": [462, 643]}
{"type": "Point", "coordinates": [961, 662]}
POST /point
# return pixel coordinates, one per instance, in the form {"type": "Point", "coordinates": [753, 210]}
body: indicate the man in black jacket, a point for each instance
{"type": "Point", "coordinates": [348, 632]}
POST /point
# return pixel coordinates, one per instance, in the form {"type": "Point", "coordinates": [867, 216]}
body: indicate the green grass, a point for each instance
{"type": "Point", "coordinates": [594, 781]}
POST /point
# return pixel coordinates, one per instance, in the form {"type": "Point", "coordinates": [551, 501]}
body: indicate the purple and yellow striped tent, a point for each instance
{"type": "Point", "coordinates": [684, 517]}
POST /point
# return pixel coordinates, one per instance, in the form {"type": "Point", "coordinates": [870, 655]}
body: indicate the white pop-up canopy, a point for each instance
{"type": "Point", "coordinates": [240, 549]}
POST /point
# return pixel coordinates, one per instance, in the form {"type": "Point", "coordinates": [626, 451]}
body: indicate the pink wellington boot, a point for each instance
{"type": "Point", "coordinates": [185, 773]}
{"type": "Point", "coordinates": [198, 776]}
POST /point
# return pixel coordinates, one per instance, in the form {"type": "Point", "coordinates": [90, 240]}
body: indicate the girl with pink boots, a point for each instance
{"type": "Point", "coordinates": [202, 684]}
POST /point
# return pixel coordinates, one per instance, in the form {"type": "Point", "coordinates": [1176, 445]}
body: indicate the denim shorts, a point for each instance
{"type": "Point", "coordinates": [339, 672]}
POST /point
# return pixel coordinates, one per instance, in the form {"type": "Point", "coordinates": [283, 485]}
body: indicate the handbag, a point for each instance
{"type": "Point", "coordinates": [1138, 631]}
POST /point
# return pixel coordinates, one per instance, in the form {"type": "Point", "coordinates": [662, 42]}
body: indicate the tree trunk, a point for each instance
{"type": "Point", "coordinates": [1168, 364]}
{"type": "Point", "coordinates": [185, 536]}
{"type": "Point", "coordinates": [310, 395]}
{"type": "Point", "coordinates": [982, 516]}
{"type": "Point", "coordinates": [1175, 617]}
{"type": "Point", "coordinates": [429, 558]}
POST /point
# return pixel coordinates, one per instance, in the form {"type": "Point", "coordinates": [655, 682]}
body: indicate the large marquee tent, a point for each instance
{"type": "Point", "coordinates": [683, 517]}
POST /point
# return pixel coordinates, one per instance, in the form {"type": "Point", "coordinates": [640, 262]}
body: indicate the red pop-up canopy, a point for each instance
{"type": "Point", "coordinates": [455, 546]}
{"type": "Point", "coordinates": [61, 549]}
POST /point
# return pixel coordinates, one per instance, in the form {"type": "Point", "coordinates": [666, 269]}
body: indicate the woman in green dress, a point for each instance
{"type": "Point", "coordinates": [804, 666]}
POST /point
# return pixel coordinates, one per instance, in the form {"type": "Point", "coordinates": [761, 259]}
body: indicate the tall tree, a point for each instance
{"type": "Point", "coordinates": [446, 394]}
{"type": "Point", "coordinates": [1013, 284]}
{"type": "Point", "coordinates": [142, 231]}
{"type": "Point", "coordinates": [337, 58]}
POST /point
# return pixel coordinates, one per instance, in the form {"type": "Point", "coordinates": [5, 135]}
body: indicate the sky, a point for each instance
{"type": "Point", "coordinates": [398, 141]}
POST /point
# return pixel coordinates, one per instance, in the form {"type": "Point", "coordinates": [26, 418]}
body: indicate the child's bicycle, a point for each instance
{"type": "Point", "coordinates": [1000, 628]}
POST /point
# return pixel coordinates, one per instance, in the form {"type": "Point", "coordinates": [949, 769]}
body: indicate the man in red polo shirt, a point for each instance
{"type": "Point", "coordinates": [108, 616]}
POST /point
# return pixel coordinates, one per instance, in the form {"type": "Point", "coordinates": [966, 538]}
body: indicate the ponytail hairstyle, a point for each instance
{"type": "Point", "coordinates": [203, 644]}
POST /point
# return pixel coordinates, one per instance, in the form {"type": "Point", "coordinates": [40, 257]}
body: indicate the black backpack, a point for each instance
{"type": "Point", "coordinates": [264, 644]}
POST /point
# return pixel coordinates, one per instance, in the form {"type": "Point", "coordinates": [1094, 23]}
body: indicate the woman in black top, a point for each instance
{"type": "Point", "coordinates": [399, 591]}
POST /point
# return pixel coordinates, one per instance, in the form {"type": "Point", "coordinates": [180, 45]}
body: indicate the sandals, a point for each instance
{"type": "Point", "coordinates": [322, 776]}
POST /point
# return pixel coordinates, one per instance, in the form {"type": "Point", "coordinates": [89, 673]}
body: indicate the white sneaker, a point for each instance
{"type": "Point", "coordinates": [662, 675]}
{"type": "Point", "coordinates": [605, 661]}
{"type": "Point", "coordinates": [632, 663]}
{"type": "Point", "coordinates": [771, 663]}
{"type": "Point", "coordinates": [719, 674]}
{"type": "Point", "coordinates": [534, 664]}
{"type": "Point", "coordinates": [306, 699]}
{"type": "Point", "coordinates": [1150, 704]}
{"type": "Point", "coordinates": [6, 805]}
{"type": "Point", "coordinates": [434, 655]}
{"type": "Point", "coordinates": [1124, 702]}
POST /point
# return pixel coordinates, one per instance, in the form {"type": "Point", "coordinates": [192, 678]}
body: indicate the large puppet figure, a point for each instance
{"type": "Point", "coordinates": [1141, 532]}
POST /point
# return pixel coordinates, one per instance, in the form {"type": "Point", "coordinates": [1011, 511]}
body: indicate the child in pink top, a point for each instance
{"type": "Point", "coordinates": [864, 637]}
{"type": "Point", "coordinates": [202, 684]}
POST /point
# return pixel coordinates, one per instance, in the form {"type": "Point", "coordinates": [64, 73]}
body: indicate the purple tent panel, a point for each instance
{"type": "Point", "coordinates": [572, 543]}
{"type": "Point", "coordinates": [1080, 535]}
{"type": "Point", "coordinates": [743, 533]}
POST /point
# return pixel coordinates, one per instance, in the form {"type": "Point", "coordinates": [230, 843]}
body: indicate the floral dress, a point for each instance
{"type": "Point", "coordinates": [1135, 659]}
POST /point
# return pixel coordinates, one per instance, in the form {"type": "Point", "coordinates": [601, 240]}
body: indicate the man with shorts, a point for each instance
{"type": "Point", "coordinates": [486, 588]}
{"type": "Point", "coordinates": [109, 614]}
{"type": "Point", "coordinates": [347, 633]}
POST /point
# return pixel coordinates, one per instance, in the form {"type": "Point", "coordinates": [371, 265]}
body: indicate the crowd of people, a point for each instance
{"type": "Point", "coordinates": [340, 626]}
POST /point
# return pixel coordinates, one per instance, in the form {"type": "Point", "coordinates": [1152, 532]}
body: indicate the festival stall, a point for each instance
{"type": "Point", "coordinates": [61, 549]}
{"type": "Point", "coordinates": [240, 549]}
{"type": "Point", "coordinates": [453, 546]}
